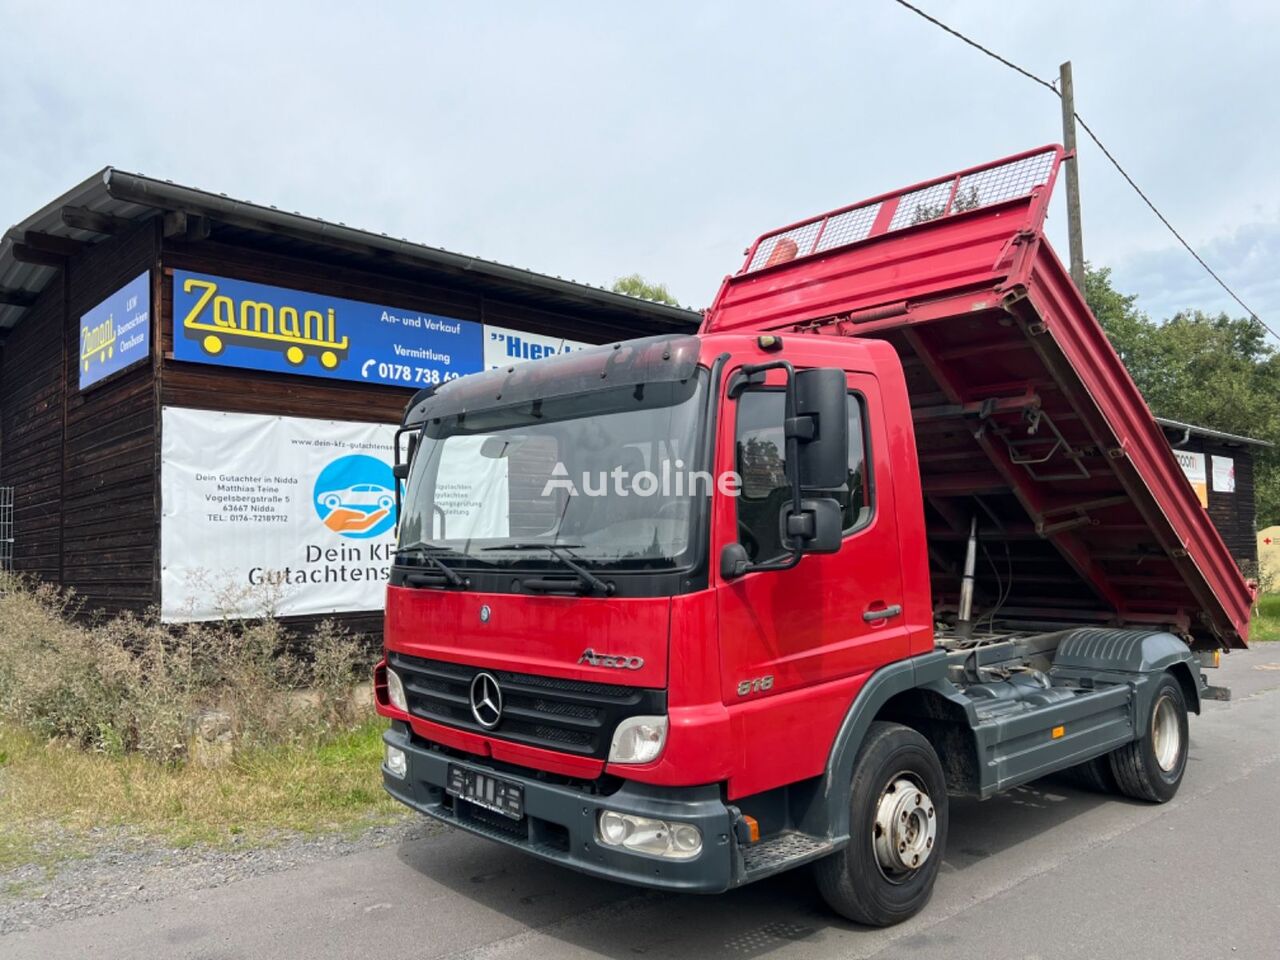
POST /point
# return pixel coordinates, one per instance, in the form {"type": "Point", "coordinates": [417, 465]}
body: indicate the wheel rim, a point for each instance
{"type": "Point", "coordinates": [906, 826]}
{"type": "Point", "coordinates": [1166, 734]}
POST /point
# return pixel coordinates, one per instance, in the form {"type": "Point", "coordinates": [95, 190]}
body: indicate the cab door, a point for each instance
{"type": "Point", "coordinates": [832, 615]}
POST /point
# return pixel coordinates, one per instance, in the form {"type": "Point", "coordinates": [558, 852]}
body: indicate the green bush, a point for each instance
{"type": "Point", "coordinates": [131, 684]}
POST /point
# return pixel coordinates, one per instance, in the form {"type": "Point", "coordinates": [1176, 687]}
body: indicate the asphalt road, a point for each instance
{"type": "Point", "coordinates": [1046, 871]}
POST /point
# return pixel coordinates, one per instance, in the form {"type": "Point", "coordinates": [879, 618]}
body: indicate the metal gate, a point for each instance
{"type": "Point", "coordinates": [6, 528]}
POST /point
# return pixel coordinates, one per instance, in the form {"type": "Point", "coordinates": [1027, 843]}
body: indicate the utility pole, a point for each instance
{"type": "Point", "coordinates": [1074, 234]}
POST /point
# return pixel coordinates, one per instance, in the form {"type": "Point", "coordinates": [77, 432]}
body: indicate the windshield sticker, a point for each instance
{"type": "Point", "coordinates": [472, 491]}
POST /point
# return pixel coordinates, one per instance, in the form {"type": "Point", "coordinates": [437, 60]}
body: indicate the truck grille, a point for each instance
{"type": "Point", "coordinates": [570, 716]}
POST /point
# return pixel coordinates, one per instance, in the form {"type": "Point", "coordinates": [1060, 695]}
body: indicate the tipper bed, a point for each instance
{"type": "Point", "coordinates": [1024, 414]}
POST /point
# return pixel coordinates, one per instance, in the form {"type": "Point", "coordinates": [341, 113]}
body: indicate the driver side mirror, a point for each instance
{"type": "Point", "coordinates": [816, 431]}
{"type": "Point", "coordinates": [814, 524]}
{"type": "Point", "coordinates": [821, 424]}
{"type": "Point", "coordinates": [401, 468]}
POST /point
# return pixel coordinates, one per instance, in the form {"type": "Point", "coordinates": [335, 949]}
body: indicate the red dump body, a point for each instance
{"type": "Point", "coordinates": [1023, 412]}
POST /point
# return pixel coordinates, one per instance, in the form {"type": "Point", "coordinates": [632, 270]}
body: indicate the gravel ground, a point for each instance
{"type": "Point", "coordinates": [123, 871]}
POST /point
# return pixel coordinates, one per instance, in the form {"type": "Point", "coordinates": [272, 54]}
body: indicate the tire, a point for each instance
{"type": "Point", "coordinates": [1151, 767]}
{"type": "Point", "coordinates": [854, 881]}
{"type": "Point", "coordinates": [1093, 775]}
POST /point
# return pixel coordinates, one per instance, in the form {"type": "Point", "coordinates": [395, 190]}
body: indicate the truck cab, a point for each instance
{"type": "Point", "coordinates": [688, 611]}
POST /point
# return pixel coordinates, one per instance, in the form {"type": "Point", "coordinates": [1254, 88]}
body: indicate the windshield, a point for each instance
{"type": "Point", "coordinates": [605, 477]}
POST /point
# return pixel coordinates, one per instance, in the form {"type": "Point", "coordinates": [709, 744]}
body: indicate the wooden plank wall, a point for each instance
{"type": "Point", "coordinates": [1234, 514]}
{"type": "Point", "coordinates": [82, 464]}
{"type": "Point", "coordinates": [110, 531]}
{"type": "Point", "coordinates": [31, 407]}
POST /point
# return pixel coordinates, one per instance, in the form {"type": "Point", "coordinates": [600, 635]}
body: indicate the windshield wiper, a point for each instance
{"type": "Point", "coordinates": [428, 553]}
{"type": "Point", "coordinates": [586, 576]}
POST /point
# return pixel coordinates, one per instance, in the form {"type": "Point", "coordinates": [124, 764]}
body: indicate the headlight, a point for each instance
{"type": "Point", "coordinates": [395, 691]}
{"type": "Point", "coordinates": [638, 740]}
{"type": "Point", "coordinates": [659, 838]}
{"type": "Point", "coordinates": [397, 762]}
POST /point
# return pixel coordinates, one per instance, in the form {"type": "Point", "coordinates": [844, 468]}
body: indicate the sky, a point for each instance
{"type": "Point", "coordinates": [592, 140]}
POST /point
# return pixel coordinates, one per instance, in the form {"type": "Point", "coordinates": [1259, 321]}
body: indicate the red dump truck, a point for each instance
{"type": "Point", "coordinates": [894, 526]}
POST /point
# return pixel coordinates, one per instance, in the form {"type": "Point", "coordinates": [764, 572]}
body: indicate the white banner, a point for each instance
{"type": "Point", "coordinates": [273, 514]}
{"type": "Point", "coordinates": [503, 346]}
{"type": "Point", "coordinates": [1224, 474]}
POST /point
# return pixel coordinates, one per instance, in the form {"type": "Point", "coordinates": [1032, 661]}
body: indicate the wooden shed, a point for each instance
{"type": "Point", "coordinates": [312, 329]}
{"type": "Point", "coordinates": [1220, 468]}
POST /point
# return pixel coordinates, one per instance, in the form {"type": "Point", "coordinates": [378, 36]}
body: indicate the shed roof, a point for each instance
{"type": "Point", "coordinates": [111, 200]}
{"type": "Point", "coordinates": [1231, 439]}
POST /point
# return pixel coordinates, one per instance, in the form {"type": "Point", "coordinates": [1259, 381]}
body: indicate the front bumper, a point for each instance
{"type": "Point", "coordinates": [560, 822]}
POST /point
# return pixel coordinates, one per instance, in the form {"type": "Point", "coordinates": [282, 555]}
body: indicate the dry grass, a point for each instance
{"type": "Point", "coordinates": [133, 685]}
{"type": "Point", "coordinates": [97, 723]}
{"type": "Point", "coordinates": [56, 799]}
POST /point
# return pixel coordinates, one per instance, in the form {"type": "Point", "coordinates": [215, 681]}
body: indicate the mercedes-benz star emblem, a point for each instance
{"type": "Point", "coordinates": [484, 613]}
{"type": "Point", "coordinates": [486, 700]}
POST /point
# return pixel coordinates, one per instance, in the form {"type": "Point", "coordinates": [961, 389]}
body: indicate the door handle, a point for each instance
{"type": "Point", "coordinates": [885, 613]}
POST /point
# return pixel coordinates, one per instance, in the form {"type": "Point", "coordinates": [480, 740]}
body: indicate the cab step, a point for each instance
{"type": "Point", "coordinates": [782, 851]}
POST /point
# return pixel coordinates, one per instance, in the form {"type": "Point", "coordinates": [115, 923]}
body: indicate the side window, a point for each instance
{"type": "Point", "coordinates": [856, 498]}
{"type": "Point", "coordinates": [761, 462]}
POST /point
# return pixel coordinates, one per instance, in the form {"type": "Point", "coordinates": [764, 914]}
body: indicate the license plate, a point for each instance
{"type": "Point", "coordinates": [484, 790]}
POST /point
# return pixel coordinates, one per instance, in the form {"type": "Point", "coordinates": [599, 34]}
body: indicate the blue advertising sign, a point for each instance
{"type": "Point", "coordinates": [117, 332]}
{"type": "Point", "coordinates": [235, 323]}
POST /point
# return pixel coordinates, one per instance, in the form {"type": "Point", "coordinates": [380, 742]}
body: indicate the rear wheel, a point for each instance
{"type": "Point", "coordinates": [1094, 775]}
{"type": "Point", "coordinates": [1151, 767]}
{"type": "Point", "coordinates": [898, 830]}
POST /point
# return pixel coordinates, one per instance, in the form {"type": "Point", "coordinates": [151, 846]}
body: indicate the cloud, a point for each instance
{"type": "Point", "coordinates": [594, 140]}
{"type": "Point", "coordinates": [1169, 280]}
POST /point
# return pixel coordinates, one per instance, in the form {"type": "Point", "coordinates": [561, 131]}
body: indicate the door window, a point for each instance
{"type": "Point", "coordinates": [760, 454]}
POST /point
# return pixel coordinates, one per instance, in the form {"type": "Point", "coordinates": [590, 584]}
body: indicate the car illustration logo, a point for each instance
{"type": "Point", "coordinates": [486, 700]}
{"type": "Point", "coordinates": [485, 613]}
{"type": "Point", "coordinates": [359, 495]}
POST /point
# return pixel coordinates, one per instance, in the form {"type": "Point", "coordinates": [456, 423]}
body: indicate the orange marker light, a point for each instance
{"type": "Point", "coordinates": [753, 825]}
{"type": "Point", "coordinates": [1058, 732]}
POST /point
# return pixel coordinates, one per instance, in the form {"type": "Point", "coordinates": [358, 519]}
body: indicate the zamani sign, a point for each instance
{"type": "Point", "coordinates": [255, 326]}
{"type": "Point", "coordinates": [116, 333]}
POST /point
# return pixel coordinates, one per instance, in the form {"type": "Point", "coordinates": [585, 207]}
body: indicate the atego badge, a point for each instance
{"type": "Point", "coordinates": [608, 660]}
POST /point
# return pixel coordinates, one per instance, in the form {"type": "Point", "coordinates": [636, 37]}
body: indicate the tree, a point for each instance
{"type": "Point", "coordinates": [1215, 371]}
{"type": "Point", "coordinates": [635, 285]}
{"type": "Point", "coordinates": [968, 200]}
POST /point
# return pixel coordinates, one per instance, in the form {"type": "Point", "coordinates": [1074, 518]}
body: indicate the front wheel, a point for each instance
{"type": "Point", "coordinates": [898, 830]}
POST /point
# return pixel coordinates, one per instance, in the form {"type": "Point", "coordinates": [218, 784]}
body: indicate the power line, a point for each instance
{"type": "Point", "coordinates": [1105, 152]}
{"type": "Point", "coordinates": [977, 46]}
